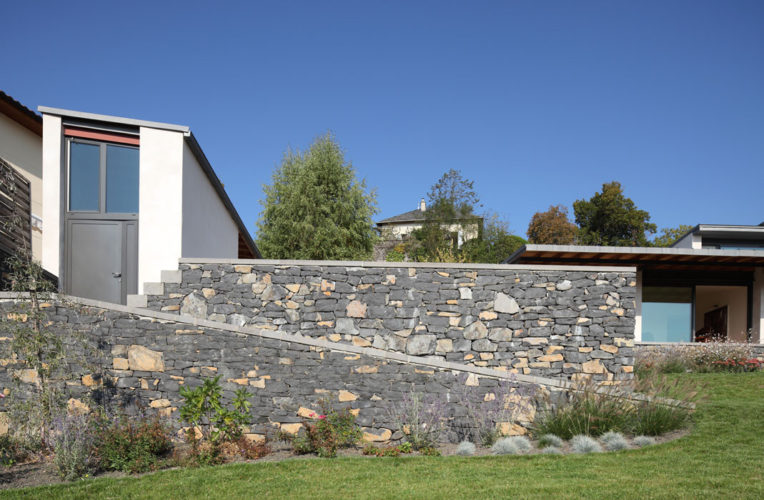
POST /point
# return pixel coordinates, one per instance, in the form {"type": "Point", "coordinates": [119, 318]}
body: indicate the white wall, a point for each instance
{"type": "Point", "coordinates": [160, 218]}
{"type": "Point", "coordinates": [208, 229]}
{"type": "Point", "coordinates": [758, 306]}
{"type": "Point", "coordinates": [708, 298]}
{"type": "Point", "coordinates": [22, 148]}
{"type": "Point", "coordinates": [51, 192]}
{"type": "Point", "coordinates": [691, 240]}
{"type": "Point", "coordinates": [638, 309]}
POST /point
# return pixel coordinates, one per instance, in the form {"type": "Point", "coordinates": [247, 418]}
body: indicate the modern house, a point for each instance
{"type": "Point", "coordinates": [710, 284]}
{"type": "Point", "coordinates": [400, 227]}
{"type": "Point", "coordinates": [21, 164]}
{"type": "Point", "coordinates": [125, 199]}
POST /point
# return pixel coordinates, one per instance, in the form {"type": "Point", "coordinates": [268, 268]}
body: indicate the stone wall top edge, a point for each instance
{"type": "Point", "coordinates": [421, 265]}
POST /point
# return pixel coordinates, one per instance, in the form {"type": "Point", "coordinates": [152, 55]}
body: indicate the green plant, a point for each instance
{"type": "Point", "coordinates": [429, 451]}
{"type": "Point", "coordinates": [584, 444]}
{"type": "Point", "coordinates": [550, 440]}
{"type": "Point", "coordinates": [586, 409]}
{"type": "Point", "coordinates": [131, 444]}
{"type": "Point", "coordinates": [12, 450]}
{"type": "Point", "coordinates": [330, 430]}
{"type": "Point", "coordinates": [74, 446]}
{"type": "Point", "coordinates": [465, 448]}
{"type": "Point", "coordinates": [203, 408]}
{"type": "Point", "coordinates": [654, 419]}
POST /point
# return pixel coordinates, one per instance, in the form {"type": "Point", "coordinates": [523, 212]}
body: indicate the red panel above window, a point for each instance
{"type": "Point", "coordinates": [101, 136]}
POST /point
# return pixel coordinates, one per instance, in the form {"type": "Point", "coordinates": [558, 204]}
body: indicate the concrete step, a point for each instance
{"type": "Point", "coordinates": [134, 300]}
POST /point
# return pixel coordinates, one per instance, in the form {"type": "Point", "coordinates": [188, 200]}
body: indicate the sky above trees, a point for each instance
{"type": "Point", "coordinates": [540, 103]}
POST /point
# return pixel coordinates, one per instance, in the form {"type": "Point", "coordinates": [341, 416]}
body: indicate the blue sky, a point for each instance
{"type": "Point", "coordinates": [539, 102]}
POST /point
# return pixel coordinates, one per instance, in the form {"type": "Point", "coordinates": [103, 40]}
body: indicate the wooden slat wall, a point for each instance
{"type": "Point", "coordinates": [15, 211]}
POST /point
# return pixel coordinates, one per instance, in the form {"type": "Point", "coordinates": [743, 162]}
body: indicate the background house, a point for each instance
{"type": "Point", "coordinates": [710, 284]}
{"type": "Point", "coordinates": [21, 164]}
{"type": "Point", "coordinates": [401, 227]}
{"type": "Point", "coordinates": [125, 199]}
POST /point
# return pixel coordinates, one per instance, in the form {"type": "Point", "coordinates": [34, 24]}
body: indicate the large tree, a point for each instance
{"type": "Point", "coordinates": [552, 227]}
{"type": "Point", "coordinates": [611, 219]}
{"type": "Point", "coordinates": [670, 235]}
{"type": "Point", "coordinates": [452, 200]}
{"type": "Point", "coordinates": [316, 208]}
{"type": "Point", "coordinates": [495, 243]}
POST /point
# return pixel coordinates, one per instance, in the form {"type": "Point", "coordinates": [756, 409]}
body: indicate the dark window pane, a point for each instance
{"type": "Point", "coordinates": [121, 179]}
{"type": "Point", "coordinates": [666, 314]}
{"type": "Point", "coordinates": [84, 177]}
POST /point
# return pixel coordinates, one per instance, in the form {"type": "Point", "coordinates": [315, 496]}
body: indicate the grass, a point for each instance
{"type": "Point", "coordinates": [721, 458]}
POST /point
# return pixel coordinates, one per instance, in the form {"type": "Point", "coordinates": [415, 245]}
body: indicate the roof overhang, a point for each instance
{"type": "Point", "coordinates": [640, 257]}
{"type": "Point", "coordinates": [19, 113]}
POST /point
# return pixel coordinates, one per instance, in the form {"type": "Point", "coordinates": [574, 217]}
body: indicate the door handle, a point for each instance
{"type": "Point", "coordinates": [116, 275]}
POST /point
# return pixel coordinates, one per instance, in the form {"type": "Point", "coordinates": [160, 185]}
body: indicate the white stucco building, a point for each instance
{"type": "Point", "coordinates": [125, 199]}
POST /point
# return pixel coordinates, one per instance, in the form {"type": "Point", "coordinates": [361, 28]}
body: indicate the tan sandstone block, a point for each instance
{"type": "Point", "coordinates": [366, 369]}
{"type": "Point", "coordinates": [145, 360]}
{"type": "Point", "coordinates": [120, 364]}
{"type": "Point", "coordinates": [488, 315]}
{"type": "Point", "coordinates": [593, 366]}
{"type": "Point", "coordinates": [345, 396]}
{"type": "Point", "coordinates": [291, 428]}
{"type": "Point", "coordinates": [375, 438]}
{"type": "Point", "coordinates": [550, 357]}
{"type": "Point", "coordinates": [160, 403]}
{"type": "Point", "coordinates": [356, 309]}
{"type": "Point", "coordinates": [609, 348]}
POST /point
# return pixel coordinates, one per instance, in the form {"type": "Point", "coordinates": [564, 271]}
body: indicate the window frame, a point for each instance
{"type": "Point", "coordinates": [101, 213]}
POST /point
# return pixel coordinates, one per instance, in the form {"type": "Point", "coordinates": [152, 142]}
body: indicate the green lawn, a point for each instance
{"type": "Point", "coordinates": [723, 457]}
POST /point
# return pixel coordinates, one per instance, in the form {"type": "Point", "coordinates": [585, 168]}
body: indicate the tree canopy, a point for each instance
{"type": "Point", "coordinates": [316, 208]}
{"type": "Point", "coordinates": [669, 235]}
{"type": "Point", "coordinates": [495, 243]}
{"type": "Point", "coordinates": [611, 219]}
{"type": "Point", "coordinates": [452, 197]}
{"type": "Point", "coordinates": [552, 227]}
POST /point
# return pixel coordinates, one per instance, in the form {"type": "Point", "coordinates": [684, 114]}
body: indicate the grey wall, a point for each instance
{"type": "Point", "coordinates": [530, 320]}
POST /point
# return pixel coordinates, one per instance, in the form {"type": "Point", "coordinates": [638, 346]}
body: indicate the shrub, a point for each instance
{"type": "Point", "coordinates": [550, 440]}
{"type": "Point", "coordinates": [74, 447]}
{"type": "Point", "coordinates": [551, 450]}
{"type": "Point", "coordinates": [712, 356]}
{"type": "Point", "coordinates": [419, 418]}
{"type": "Point", "coordinates": [429, 451]}
{"type": "Point", "coordinates": [131, 444]}
{"type": "Point", "coordinates": [252, 450]}
{"type": "Point", "coordinates": [584, 444]}
{"type": "Point", "coordinates": [510, 399]}
{"type": "Point", "coordinates": [586, 410]}
{"type": "Point", "coordinates": [654, 418]}
{"type": "Point", "coordinates": [505, 446]}
{"type": "Point", "coordinates": [641, 441]}
{"type": "Point", "coordinates": [13, 450]}
{"type": "Point", "coordinates": [387, 451]}
{"type": "Point", "coordinates": [614, 441]}
{"type": "Point", "coordinates": [203, 408]}
{"type": "Point", "coordinates": [330, 430]}
{"type": "Point", "coordinates": [465, 448]}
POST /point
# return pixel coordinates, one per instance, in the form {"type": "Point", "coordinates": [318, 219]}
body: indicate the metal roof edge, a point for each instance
{"type": "Point", "coordinates": [112, 119]}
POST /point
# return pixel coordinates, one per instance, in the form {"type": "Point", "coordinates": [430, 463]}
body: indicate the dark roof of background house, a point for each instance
{"type": "Point", "coordinates": [412, 216]}
{"type": "Point", "coordinates": [20, 113]}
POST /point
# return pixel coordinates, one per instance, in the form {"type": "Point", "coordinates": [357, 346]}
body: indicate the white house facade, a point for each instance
{"type": "Point", "coordinates": [125, 199]}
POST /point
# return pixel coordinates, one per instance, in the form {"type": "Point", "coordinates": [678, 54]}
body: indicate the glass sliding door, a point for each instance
{"type": "Point", "coordinates": [666, 314]}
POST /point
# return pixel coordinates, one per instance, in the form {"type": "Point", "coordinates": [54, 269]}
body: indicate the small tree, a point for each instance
{"type": "Point", "coordinates": [669, 235]}
{"type": "Point", "coordinates": [552, 227]}
{"type": "Point", "coordinates": [611, 219]}
{"type": "Point", "coordinates": [316, 208]}
{"type": "Point", "coordinates": [495, 243]}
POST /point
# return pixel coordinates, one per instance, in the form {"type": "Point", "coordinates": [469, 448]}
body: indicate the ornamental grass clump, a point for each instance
{"type": "Point", "coordinates": [585, 444]}
{"type": "Point", "coordinates": [641, 441]}
{"type": "Point", "coordinates": [465, 449]}
{"type": "Point", "coordinates": [504, 446]}
{"type": "Point", "coordinates": [420, 418]}
{"type": "Point", "coordinates": [489, 413]}
{"type": "Point", "coordinates": [522, 443]}
{"type": "Point", "coordinates": [614, 441]}
{"type": "Point", "coordinates": [74, 445]}
{"type": "Point", "coordinates": [550, 440]}
{"type": "Point", "coordinates": [586, 409]}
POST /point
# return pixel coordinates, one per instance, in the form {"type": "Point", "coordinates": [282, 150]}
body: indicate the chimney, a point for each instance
{"type": "Point", "coordinates": [422, 205]}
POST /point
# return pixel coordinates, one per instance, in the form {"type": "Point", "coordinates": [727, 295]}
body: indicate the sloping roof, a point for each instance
{"type": "Point", "coordinates": [658, 258]}
{"type": "Point", "coordinates": [195, 149]}
{"type": "Point", "coordinates": [412, 216]}
{"type": "Point", "coordinates": [20, 113]}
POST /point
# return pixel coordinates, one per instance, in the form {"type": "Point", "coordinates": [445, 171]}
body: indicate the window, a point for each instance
{"type": "Point", "coordinates": [103, 177]}
{"type": "Point", "coordinates": [666, 314]}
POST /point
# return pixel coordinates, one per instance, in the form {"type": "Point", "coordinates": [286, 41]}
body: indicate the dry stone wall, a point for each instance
{"type": "Point", "coordinates": [540, 320]}
{"type": "Point", "coordinates": [135, 360]}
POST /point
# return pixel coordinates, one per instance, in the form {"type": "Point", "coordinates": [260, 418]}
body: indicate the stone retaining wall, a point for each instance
{"type": "Point", "coordinates": [539, 320]}
{"type": "Point", "coordinates": [118, 355]}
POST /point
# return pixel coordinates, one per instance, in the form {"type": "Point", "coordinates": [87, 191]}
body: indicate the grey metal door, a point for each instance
{"type": "Point", "coordinates": [102, 259]}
